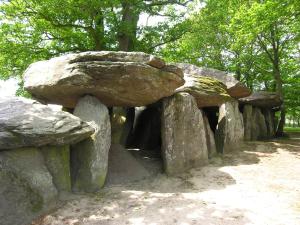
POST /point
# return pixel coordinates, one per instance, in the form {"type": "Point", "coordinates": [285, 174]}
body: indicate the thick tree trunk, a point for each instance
{"type": "Point", "coordinates": [128, 28]}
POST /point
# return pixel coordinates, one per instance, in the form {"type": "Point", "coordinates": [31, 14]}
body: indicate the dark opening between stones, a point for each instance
{"type": "Point", "coordinates": [140, 155]}
{"type": "Point", "coordinates": [212, 114]}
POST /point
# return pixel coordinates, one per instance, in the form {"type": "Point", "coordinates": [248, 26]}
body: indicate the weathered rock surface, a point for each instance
{"type": "Point", "coordinates": [248, 122]}
{"type": "Point", "coordinates": [270, 122]}
{"type": "Point", "coordinates": [230, 130]}
{"type": "Point", "coordinates": [259, 124]}
{"type": "Point", "coordinates": [210, 138]}
{"type": "Point", "coordinates": [26, 187]}
{"type": "Point", "coordinates": [123, 167]}
{"type": "Point", "coordinates": [262, 99]}
{"type": "Point", "coordinates": [57, 160]}
{"type": "Point", "coordinates": [235, 88]}
{"type": "Point", "coordinates": [27, 123]}
{"type": "Point", "coordinates": [115, 78]}
{"type": "Point", "coordinates": [183, 134]}
{"type": "Point", "coordinates": [207, 91]}
{"type": "Point", "coordinates": [90, 157]}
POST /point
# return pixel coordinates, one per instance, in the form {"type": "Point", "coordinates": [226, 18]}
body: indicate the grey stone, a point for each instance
{"type": "Point", "coordinates": [116, 78]}
{"type": "Point", "coordinates": [57, 160]}
{"type": "Point", "coordinates": [27, 123]}
{"type": "Point", "coordinates": [270, 122]}
{"type": "Point", "coordinates": [248, 122]}
{"type": "Point", "coordinates": [262, 99]}
{"type": "Point", "coordinates": [26, 187]}
{"type": "Point", "coordinates": [259, 123]}
{"type": "Point", "coordinates": [206, 90]}
{"type": "Point", "coordinates": [183, 134]}
{"type": "Point", "coordinates": [235, 88]}
{"type": "Point", "coordinates": [259, 126]}
{"type": "Point", "coordinates": [90, 157]}
{"type": "Point", "coordinates": [210, 138]}
{"type": "Point", "coordinates": [230, 130]}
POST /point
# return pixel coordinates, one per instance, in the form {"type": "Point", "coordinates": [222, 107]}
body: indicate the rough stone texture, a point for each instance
{"type": "Point", "coordinates": [248, 122]}
{"type": "Point", "coordinates": [27, 123]}
{"type": "Point", "coordinates": [122, 120]}
{"type": "Point", "coordinates": [183, 134]}
{"type": "Point", "coordinates": [210, 138]}
{"type": "Point", "coordinates": [258, 125]}
{"type": "Point", "coordinates": [230, 130]}
{"type": "Point", "coordinates": [115, 78]}
{"type": "Point", "coordinates": [207, 91]}
{"type": "Point", "coordinates": [90, 157]}
{"type": "Point", "coordinates": [124, 167]}
{"type": "Point", "coordinates": [57, 160]}
{"type": "Point", "coordinates": [235, 88]}
{"type": "Point", "coordinates": [26, 187]}
{"type": "Point", "coordinates": [262, 99]}
{"type": "Point", "coordinates": [270, 122]}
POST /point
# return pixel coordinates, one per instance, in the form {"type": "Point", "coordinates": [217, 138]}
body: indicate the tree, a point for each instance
{"type": "Point", "coordinates": [256, 40]}
{"type": "Point", "coordinates": [33, 30]}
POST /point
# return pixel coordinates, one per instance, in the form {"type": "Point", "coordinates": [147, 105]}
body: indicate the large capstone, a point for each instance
{"type": "Point", "coordinates": [115, 78]}
{"type": "Point", "coordinates": [26, 186]}
{"type": "Point", "coordinates": [230, 130]}
{"type": "Point", "coordinates": [184, 143]}
{"type": "Point", "coordinates": [90, 157]}
{"type": "Point", "coordinates": [262, 99]}
{"type": "Point", "coordinates": [206, 90]}
{"type": "Point", "coordinates": [27, 123]}
{"type": "Point", "coordinates": [235, 88]}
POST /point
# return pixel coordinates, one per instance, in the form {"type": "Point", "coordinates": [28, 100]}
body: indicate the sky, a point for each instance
{"type": "Point", "coordinates": [8, 87]}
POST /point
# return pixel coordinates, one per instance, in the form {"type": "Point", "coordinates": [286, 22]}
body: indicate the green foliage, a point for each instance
{"type": "Point", "coordinates": [32, 30]}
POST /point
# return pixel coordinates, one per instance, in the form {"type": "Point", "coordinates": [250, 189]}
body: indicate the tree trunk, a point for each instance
{"type": "Point", "coordinates": [128, 28]}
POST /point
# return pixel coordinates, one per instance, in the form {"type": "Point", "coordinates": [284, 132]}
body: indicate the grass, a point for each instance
{"type": "Point", "coordinates": [292, 129]}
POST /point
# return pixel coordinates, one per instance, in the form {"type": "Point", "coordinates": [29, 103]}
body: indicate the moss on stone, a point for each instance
{"type": "Point", "coordinates": [57, 159]}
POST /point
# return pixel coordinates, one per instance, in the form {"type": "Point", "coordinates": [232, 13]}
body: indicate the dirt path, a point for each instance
{"type": "Point", "coordinates": [260, 185]}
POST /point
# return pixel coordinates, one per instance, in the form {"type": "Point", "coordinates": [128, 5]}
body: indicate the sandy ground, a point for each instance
{"type": "Point", "coordinates": [259, 185]}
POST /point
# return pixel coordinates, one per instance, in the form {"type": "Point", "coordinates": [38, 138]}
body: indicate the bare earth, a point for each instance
{"type": "Point", "coordinates": [258, 185]}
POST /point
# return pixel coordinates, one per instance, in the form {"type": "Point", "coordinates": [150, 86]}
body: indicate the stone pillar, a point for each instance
{"type": "Point", "coordinates": [89, 158]}
{"type": "Point", "coordinates": [210, 138]}
{"type": "Point", "coordinates": [269, 117]}
{"type": "Point", "coordinates": [230, 130]}
{"type": "Point", "coordinates": [259, 129]}
{"type": "Point", "coordinates": [248, 120]}
{"type": "Point", "coordinates": [183, 134]}
{"type": "Point", "coordinates": [57, 160]}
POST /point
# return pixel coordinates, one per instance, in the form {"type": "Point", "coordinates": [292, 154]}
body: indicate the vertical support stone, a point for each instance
{"type": "Point", "coordinates": [230, 130]}
{"type": "Point", "coordinates": [183, 134]}
{"type": "Point", "coordinates": [57, 160]}
{"type": "Point", "coordinates": [89, 158]}
{"type": "Point", "coordinates": [248, 120]}
{"type": "Point", "coordinates": [210, 138]}
{"type": "Point", "coordinates": [269, 118]}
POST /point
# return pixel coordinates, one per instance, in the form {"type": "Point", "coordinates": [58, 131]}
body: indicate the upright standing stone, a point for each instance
{"type": "Point", "coordinates": [248, 122]}
{"type": "Point", "coordinates": [230, 130]}
{"type": "Point", "coordinates": [26, 186]}
{"type": "Point", "coordinates": [90, 157]}
{"type": "Point", "coordinates": [183, 134]}
{"type": "Point", "coordinates": [259, 130]}
{"type": "Point", "coordinates": [57, 160]}
{"type": "Point", "coordinates": [269, 117]}
{"type": "Point", "coordinates": [210, 139]}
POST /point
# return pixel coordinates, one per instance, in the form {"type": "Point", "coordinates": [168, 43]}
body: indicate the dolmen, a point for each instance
{"type": "Point", "coordinates": [184, 113]}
